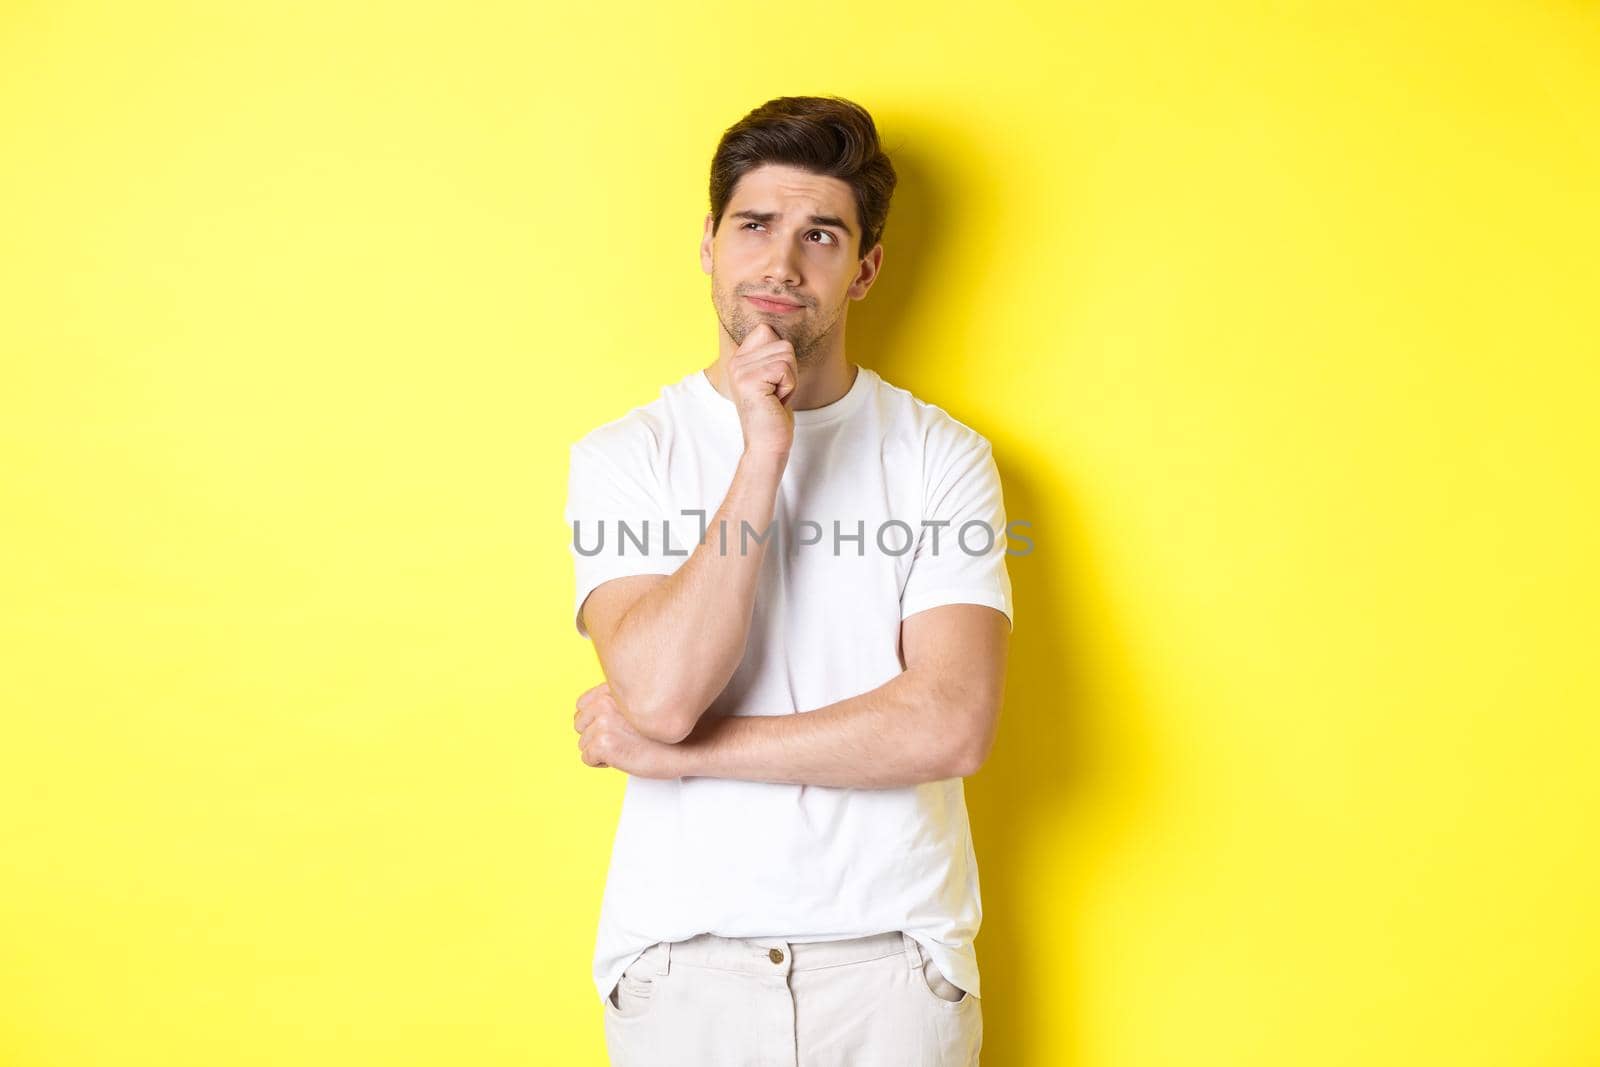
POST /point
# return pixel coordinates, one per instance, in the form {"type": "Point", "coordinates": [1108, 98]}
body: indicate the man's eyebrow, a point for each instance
{"type": "Point", "coordinates": [820, 220]}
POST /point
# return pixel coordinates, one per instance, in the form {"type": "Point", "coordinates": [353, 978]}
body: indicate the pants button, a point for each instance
{"type": "Point", "coordinates": [775, 955]}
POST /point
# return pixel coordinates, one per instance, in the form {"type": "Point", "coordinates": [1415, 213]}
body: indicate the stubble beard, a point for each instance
{"type": "Point", "coordinates": [738, 321]}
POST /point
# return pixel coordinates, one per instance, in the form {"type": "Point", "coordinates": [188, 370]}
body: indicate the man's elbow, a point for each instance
{"type": "Point", "coordinates": [978, 741]}
{"type": "Point", "coordinates": [656, 719]}
{"type": "Point", "coordinates": [669, 730]}
{"type": "Point", "coordinates": [967, 762]}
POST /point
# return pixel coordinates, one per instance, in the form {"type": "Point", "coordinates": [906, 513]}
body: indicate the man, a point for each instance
{"type": "Point", "coordinates": [796, 689]}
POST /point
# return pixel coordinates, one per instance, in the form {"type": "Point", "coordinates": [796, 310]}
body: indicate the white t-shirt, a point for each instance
{"type": "Point", "coordinates": [866, 474]}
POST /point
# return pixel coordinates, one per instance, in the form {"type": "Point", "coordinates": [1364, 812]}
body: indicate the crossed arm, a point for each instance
{"type": "Point", "coordinates": [668, 645]}
{"type": "Point", "coordinates": [936, 719]}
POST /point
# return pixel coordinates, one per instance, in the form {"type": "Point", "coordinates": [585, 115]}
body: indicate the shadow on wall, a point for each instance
{"type": "Point", "coordinates": [1071, 749]}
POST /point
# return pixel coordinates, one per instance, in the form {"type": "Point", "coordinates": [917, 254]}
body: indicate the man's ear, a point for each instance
{"type": "Point", "coordinates": [705, 245]}
{"type": "Point", "coordinates": [871, 263]}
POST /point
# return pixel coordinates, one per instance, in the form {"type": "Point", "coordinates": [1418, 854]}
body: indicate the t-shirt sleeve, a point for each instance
{"type": "Point", "coordinates": [960, 556]}
{"type": "Point", "coordinates": [615, 517]}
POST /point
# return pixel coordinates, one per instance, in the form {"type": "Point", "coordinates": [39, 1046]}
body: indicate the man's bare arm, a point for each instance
{"type": "Point", "coordinates": [668, 644]}
{"type": "Point", "coordinates": [936, 719]}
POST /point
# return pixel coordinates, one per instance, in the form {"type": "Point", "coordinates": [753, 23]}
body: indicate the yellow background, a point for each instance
{"type": "Point", "coordinates": [1282, 321]}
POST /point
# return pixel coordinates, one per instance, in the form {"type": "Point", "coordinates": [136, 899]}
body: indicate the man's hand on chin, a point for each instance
{"type": "Point", "coordinates": [607, 739]}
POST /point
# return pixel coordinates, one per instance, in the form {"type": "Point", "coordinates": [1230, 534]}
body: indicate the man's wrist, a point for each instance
{"type": "Point", "coordinates": [764, 464]}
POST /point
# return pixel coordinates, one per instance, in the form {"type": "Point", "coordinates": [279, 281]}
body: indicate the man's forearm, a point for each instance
{"type": "Point", "coordinates": [899, 734]}
{"type": "Point", "coordinates": [679, 643]}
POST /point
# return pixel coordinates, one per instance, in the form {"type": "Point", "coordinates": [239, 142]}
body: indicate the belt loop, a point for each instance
{"type": "Point", "coordinates": [913, 951]}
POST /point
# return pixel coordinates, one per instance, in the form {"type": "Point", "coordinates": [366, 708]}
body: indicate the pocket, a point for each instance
{"type": "Point", "coordinates": [634, 992]}
{"type": "Point", "coordinates": [938, 986]}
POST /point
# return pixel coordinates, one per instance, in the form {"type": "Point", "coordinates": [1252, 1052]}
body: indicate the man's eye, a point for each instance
{"type": "Point", "coordinates": [831, 238]}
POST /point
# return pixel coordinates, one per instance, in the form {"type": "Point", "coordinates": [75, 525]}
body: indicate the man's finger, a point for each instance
{"type": "Point", "coordinates": [758, 336]}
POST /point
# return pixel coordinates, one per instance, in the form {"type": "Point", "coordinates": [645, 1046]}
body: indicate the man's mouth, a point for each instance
{"type": "Point", "coordinates": [775, 306]}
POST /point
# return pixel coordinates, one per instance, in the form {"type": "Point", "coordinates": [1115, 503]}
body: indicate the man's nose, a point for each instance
{"type": "Point", "coordinates": [783, 266]}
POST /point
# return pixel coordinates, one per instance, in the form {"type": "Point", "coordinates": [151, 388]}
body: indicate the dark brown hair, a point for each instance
{"type": "Point", "coordinates": [827, 135]}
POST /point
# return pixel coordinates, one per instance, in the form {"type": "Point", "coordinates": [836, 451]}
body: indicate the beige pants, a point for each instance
{"type": "Point", "coordinates": [712, 1001]}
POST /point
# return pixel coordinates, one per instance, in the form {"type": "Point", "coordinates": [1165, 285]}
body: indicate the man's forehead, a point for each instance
{"type": "Point", "coordinates": [771, 187]}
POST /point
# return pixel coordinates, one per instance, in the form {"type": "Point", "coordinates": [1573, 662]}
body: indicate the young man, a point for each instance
{"type": "Point", "coordinates": [793, 574]}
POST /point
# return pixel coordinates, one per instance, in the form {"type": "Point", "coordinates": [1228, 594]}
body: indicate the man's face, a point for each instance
{"type": "Point", "coordinates": [800, 250]}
